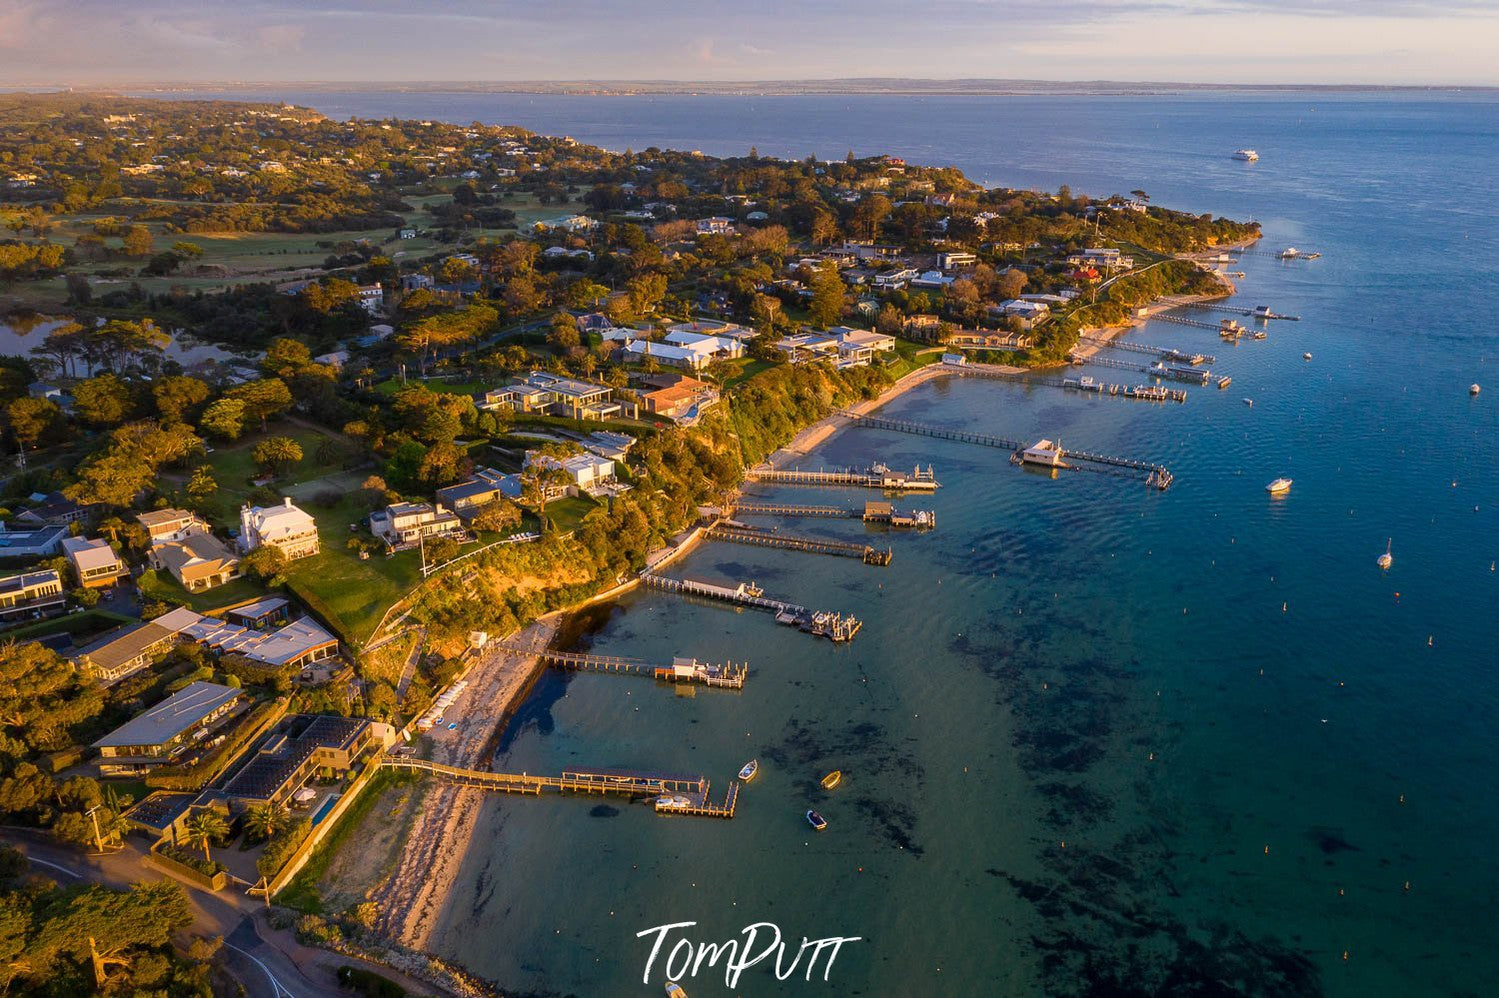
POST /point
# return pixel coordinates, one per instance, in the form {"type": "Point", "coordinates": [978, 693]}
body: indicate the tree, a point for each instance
{"type": "Point", "coordinates": [31, 418]}
{"type": "Point", "coordinates": [285, 357]}
{"type": "Point", "coordinates": [262, 399]}
{"type": "Point", "coordinates": [224, 419]}
{"type": "Point", "coordinates": [138, 241]}
{"type": "Point", "coordinates": [202, 484]}
{"type": "Point", "coordinates": [102, 401]}
{"type": "Point", "coordinates": [204, 827]}
{"type": "Point", "coordinates": [1011, 283]}
{"type": "Point", "coordinates": [264, 820]}
{"type": "Point", "coordinates": [176, 395]}
{"type": "Point", "coordinates": [564, 332]}
{"type": "Point", "coordinates": [543, 473]}
{"type": "Point", "coordinates": [277, 454]}
{"type": "Point", "coordinates": [827, 295]}
{"type": "Point", "coordinates": [265, 563]}
{"type": "Point", "coordinates": [498, 516]}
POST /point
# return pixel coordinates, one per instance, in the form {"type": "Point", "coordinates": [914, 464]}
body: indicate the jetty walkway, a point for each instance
{"type": "Point", "coordinates": [681, 670]}
{"type": "Point", "coordinates": [814, 545]}
{"type": "Point", "coordinates": [1164, 353]}
{"type": "Point", "coordinates": [677, 793]}
{"type": "Point", "coordinates": [873, 512]}
{"type": "Point", "coordinates": [820, 623]}
{"type": "Point", "coordinates": [877, 477]}
{"type": "Point", "coordinates": [1156, 475]}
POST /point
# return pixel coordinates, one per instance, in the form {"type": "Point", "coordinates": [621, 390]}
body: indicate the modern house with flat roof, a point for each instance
{"type": "Point", "coordinates": [31, 542]}
{"type": "Point", "coordinates": [403, 524]}
{"type": "Point", "coordinates": [170, 730]}
{"type": "Point", "coordinates": [286, 527]}
{"type": "Point", "coordinates": [31, 594]}
{"type": "Point", "coordinates": [290, 755]}
{"type": "Point", "coordinates": [292, 646]}
{"type": "Point", "coordinates": [585, 472]}
{"type": "Point", "coordinates": [94, 561]}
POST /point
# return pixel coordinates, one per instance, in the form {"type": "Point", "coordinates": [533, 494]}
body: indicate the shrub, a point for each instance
{"type": "Point", "coordinates": [281, 846]}
{"type": "Point", "coordinates": [208, 868]}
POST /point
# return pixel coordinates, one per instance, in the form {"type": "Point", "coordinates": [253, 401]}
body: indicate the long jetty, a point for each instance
{"type": "Point", "coordinates": [1190, 375]}
{"type": "Point", "coordinates": [1253, 313]}
{"type": "Point", "coordinates": [1156, 475]}
{"type": "Point", "coordinates": [677, 793]}
{"type": "Point", "coordinates": [878, 477]}
{"type": "Point", "coordinates": [873, 512]}
{"type": "Point", "coordinates": [820, 623]}
{"type": "Point", "coordinates": [814, 545]}
{"type": "Point", "coordinates": [750, 508]}
{"type": "Point", "coordinates": [1164, 353]}
{"type": "Point", "coordinates": [682, 669]}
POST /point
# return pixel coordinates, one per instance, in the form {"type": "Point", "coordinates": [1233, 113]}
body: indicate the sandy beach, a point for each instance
{"type": "Point", "coordinates": [413, 897]}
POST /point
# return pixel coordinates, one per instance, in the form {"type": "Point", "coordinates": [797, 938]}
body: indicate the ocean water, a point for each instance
{"type": "Point", "coordinates": [1097, 739]}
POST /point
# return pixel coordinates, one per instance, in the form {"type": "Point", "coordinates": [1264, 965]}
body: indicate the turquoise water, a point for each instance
{"type": "Point", "coordinates": [1083, 660]}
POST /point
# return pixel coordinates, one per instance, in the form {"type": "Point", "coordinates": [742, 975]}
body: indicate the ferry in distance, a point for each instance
{"type": "Point", "coordinates": [1247, 155]}
{"type": "Point", "coordinates": [1279, 487]}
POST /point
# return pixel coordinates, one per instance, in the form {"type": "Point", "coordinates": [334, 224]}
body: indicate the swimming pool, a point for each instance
{"type": "Point", "coordinates": [324, 808]}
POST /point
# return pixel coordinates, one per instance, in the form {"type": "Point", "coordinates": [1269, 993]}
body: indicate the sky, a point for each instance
{"type": "Point", "coordinates": [116, 42]}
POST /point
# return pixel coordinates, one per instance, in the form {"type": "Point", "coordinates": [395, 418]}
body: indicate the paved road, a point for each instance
{"type": "Point", "coordinates": [263, 969]}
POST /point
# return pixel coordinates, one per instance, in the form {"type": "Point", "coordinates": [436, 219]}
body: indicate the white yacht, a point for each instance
{"type": "Point", "coordinates": [1247, 155]}
{"type": "Point", "coordinates": [1279, 487]}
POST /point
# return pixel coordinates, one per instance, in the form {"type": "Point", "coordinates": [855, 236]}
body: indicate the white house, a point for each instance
{"type": "Point", "coordinates": [1029, 310]}
{"type": "Point", "coordinates": [586, 472]}
{"type": "Point", "coordinates": [371, 298]}
{"type": "Point", "coordinates": [717, 225]}
{"type": "Point", "coordinates": [932, 279]}
{"type": "Point", "coordinates": [895, 279]}
{"type": "Point", "coordinates": [286, 527]}
{"type": "Point", "coordinates": [955, 258]}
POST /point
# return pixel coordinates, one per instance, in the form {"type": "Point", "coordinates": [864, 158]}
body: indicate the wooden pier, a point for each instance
{"type": "Point", "coordinates": [820, 623]}
{"type": "Point", "coordinates": [692, 790]}
{"type": "Point", "coordinates": [753, 508]}
{"type": "Point", "coordinates": [1164, 353]}
{"type": "Point", "coordinates": [874, 511]}
{"type": "Point", "coordinates": [1260, 312]}
{"type": "Point", "coordinates": [1148, 393]}
{"type": "Point", "coordinates": [813, 545]}
{"type": "Point", "coordinates": [681, 670]}
{"type": "Point", "coordinates": [1156, 475]}
{"type": "Point", "coordinates": [1190, 375]}
{"type": "Point", "coordinates": [877, 477]}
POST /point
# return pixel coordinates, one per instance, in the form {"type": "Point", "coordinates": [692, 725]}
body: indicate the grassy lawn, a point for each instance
{"type": "Point", "coordinates": [161, 586]}
{"type": "Point", "coordinates": [745, 368]}
{"type": "Point", "coordinates": [568, 512]}
{"type": "Point", "coordinates": [393, 385]}
{"type": "Point", "coordinates": [234, 466]}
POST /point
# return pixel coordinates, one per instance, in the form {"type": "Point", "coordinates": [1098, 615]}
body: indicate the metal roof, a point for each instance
{"type": "Point", "coordinates": [170, 718]}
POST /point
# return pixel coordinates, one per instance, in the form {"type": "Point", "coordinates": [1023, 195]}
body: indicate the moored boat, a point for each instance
{"type": "Point", "coordinates": [1306, 356]}
{"type": "Point", "coordinates": [750, 769]}
{"type": "Point", "coordinates": [1247, 155]}
{"type": "Point", "coordinates": [1386, 560]}
{"type": "Point", "coordinates": [832, 779]}
{"type": "Point", "coordinates": [675, 990]}
{"type": "Point", "coordinates": [1473, 389]}
{"type": "Point", "coordinates": [1279, 487]}
{"type": "Point", "coordinates": [817, 821]}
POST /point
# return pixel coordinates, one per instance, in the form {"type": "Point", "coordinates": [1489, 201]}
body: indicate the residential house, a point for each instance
{"type": "Point", "coordinates": [182, 544]}
{"type": "Point", "coordinates": [808, 346]}
{"type": "Point", "coordinates": [893, 280]}
{"type": "Point", "coordinates": [94, 561]}
{"type": "Point", "coordinates": [677, 397]}
{"type": "Point", "coordinates": [297, 749]}
{"type": "Point", "coordinates": [133, 647]}
{"type": "Point", "coordinates": [286, 527]}
{"type": "Point", "coordinates": [371, 298]}
{"type": "Point", "coordinates": [1030, 311]}
{"type": "Point", "coordinates": [486, 486]}
{"type": "Point", "coordinates": [585, 472]}
{"type": "Point", "coordinates": [932, 279]}
{"type": "Point", "coordinates": [717, 225]}
{"type": "Point", "coordinates": [169, 732]}
{"type": "Point", "coordinates": [1105, 259]}
{"type": "Point", "coordinates": [37, 542]}
{"type": "Point", "coordinates": [871, 251]}
{"type": "Point", "coordinates": [403, 524]}
{"type": "Point", "coordinates": [860, 344]}
{"type": "Point", "coordinates": [955, 258]}
{"type": "Point", "coordinates": [986, 339]}
{"type": "Point", "coordinates": [31, 594]}
{"type": "Point", "coordinates": [575, 399]}
{"type": "Point", "coordinates": [336, 360]}
{"type": "Point", "coordinates": [293, 645]}
{"type": "Point", "coordinates": [921, 327]}
{"type": "Point", "coordinates": [53, 508]}
{"type": "Point", "coordinates": [614, 446]}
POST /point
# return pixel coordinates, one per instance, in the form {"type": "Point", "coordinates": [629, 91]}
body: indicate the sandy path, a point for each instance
{"type": "Point", "coordinates": [413, 898]}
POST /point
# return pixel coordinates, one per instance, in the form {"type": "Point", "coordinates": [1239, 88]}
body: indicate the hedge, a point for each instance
{"type": "Point", "coordinates": [281, 846]}
{"type": "Point", "coordinates": [208, 868]}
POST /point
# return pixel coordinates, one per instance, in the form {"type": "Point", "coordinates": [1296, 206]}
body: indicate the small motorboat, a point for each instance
{"type": "Point", "coordinates": [750, 769]}
{"type": "Point", "coordinates": [1306, 356]}
{"type": "Point", "coordinates": [1279, 487]}
{"type": "Point", "coordinates": [817, 821]}
{"type": "Point", "coordinates": [675, 990]}
{"type": "Point", "coordinates": [1249, 402]}
{"type": "Point", "coordinates": [832, 779]}
{"type": "Point", "coordinates": [1386, 560]}
{"type": "Point", "coordinates": [1473, 389]}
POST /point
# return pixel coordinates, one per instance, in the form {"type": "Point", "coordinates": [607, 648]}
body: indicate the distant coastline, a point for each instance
{"type": "Point", "coordinates": [851, 87]}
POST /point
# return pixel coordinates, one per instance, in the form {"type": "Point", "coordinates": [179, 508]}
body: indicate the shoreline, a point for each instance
{"type": "Point", "coordinates": [416, 900]}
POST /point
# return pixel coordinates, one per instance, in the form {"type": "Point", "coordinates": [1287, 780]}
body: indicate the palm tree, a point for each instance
{"type": "Point", "coordinates": [205, 826]}
{"type": "Point", "coordinates": [264, 820]}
